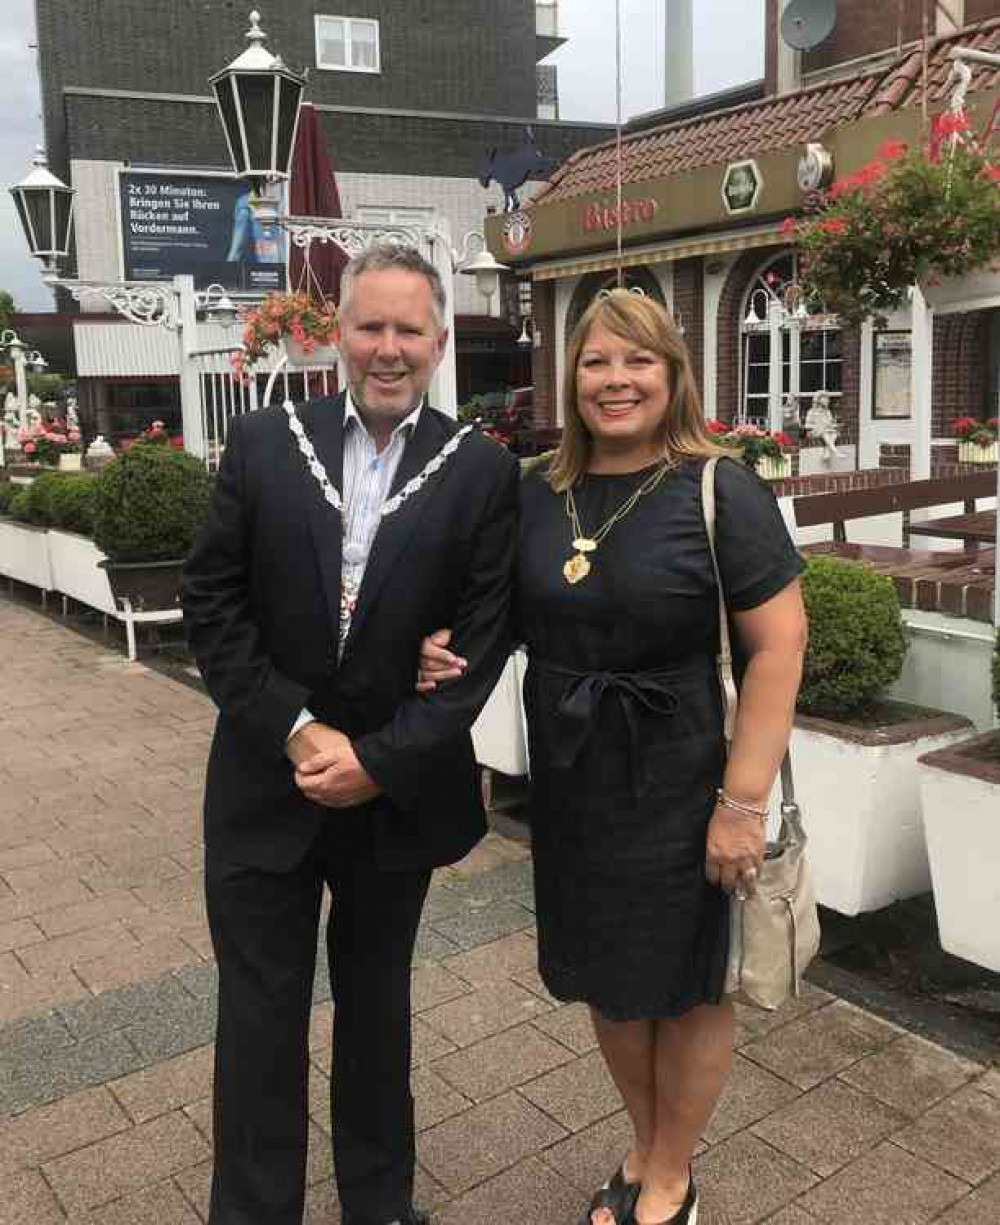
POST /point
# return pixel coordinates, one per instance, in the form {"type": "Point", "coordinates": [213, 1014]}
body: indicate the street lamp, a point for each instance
{"type": "Point", "coordinates": [217, 305]}
{"type": "Point", "coordinates": [22, 358]}
{"type": "Point", "coordinates": [258, 98]}
{"type": "Point", "coordinates": [45, 207]}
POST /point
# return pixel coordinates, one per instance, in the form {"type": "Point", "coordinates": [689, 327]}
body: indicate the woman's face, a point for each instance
{"type": "Point", "coordinates": [622, 391]}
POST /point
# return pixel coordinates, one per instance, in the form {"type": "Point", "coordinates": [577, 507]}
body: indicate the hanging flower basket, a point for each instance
{"type": "Point", "coordinates": [907, 217]}
{"type": "Point", "coordinates": [283, 318]}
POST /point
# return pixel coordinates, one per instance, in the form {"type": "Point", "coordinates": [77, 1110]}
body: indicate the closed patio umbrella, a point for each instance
{"type": "Point", "coordinates": [313, 193]}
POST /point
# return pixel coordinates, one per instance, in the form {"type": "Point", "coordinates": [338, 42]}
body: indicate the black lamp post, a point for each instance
{"type": "Point", "coordinates": [258, 100]}
{"type": "Point", "coordinates": [45, 207]}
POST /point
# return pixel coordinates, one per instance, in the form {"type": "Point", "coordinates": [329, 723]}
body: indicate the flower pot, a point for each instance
{"type": "Point", "coordinates": [861, 804]}
{"type": "Point", "coordinates": [70, 462]}
{"type": "Point", "coordinates": [148, 585]}
{"type": "Point", "coordinates": [77, 571]}
{"type": "Point", "coordinates": [960, 793]}
{"type": "Point", "coordinates": [771, 469]}
{"type": "Point", "coordinates": [321, 355]}
{"type": "Point", "coordinates": [976, 453]}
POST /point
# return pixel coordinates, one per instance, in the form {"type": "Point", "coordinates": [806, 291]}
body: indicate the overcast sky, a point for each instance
{"type": "Point", "coordinates": [729, 48]}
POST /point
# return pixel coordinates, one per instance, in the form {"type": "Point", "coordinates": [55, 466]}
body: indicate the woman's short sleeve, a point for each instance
{"type": "Point", "coordinates": [756, 555]}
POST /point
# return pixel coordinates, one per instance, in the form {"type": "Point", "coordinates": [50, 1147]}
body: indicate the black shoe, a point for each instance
{"type": "Point", "coordinates": [617, 1196]}
{"type": "Point", "coordinates": [414, 1216]}
{"type": "Point", "coordinates": [686, 1214]}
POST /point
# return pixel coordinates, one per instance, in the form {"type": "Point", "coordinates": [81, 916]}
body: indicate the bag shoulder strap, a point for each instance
{"type": "Point", "coordinates": [724, 660]}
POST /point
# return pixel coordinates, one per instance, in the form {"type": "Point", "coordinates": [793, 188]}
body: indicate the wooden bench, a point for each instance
{"type": "Point", "coordinates": [815, 510]}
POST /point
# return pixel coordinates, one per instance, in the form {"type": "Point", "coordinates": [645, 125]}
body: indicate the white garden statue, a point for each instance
{"type": "Point", "coordinates": [822, 426]}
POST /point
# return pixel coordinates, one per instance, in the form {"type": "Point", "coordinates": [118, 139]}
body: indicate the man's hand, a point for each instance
{"type": "Point", "coordinates": [333, 776]}
{"type": "Point", "coordinates": [311, 740]}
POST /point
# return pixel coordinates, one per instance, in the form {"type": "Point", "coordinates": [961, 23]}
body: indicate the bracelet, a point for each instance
{"type": "Point", "coordinates": [747, 810]}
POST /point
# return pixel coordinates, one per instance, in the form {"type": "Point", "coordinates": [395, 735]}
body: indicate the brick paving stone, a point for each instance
{"type": "Point", "coordinates": [911, 1074]}
{"type": "Point", "coordinates": [475, 927]}
{"type": "Point", "coordinates": [96, 913]}
{"type": "Point", "coordinates": [25, 856]}
{"type": "Point", "coordinates": [829, 1126]}
{"type": "Point", "coordinates": [589, 1158]}
{"type": "Point", "coordinates": [990, 1083]}
{"type": "Point", "coordinates": [434, 1099]}
{"type": "Point", "coordinates": [502, 882]}
{"type": "Point", "coordinates": [531, 979]}
{"type": "Point", "coordinates": [755, 1022]}
{"type": "Point", "coordinates": [431, 985]}
{"type": "Point", "coordinates": [175, 1030]}
{"type": "Point", "coordinates": [981, 1207]}
{"type": "Point", "coordinates": [162, 1204]}
{"type": "Point", "coordinates": [442, 903]}
{"type": "Point", "coordinates": [31, 1038]}
{"type": "Point", "coordinates": [791, 1215]}
{"type": "Point", "coordinates": [126, 1163]}
{"type": "Point", "coordinates": [145, 961]}
{"type": "Point", "coordinates": [26, 905]}
{"type": "Point", "coordinates": [577, 1093]}
{"type": "Point", "coordinates": [201, 980]}
{"type": "Point", "coordinates": [196, 1185]}
{"type": "Point", "coordinates": [431, 946]}
{"type": "Point", "coordinates": [26, 1199]}
{"type": "Point", "coordinates": [502, 1062]}
{"type": "Point", "coordinates": [571, 1025]}
{"type": "Point", "coordinates": [884, 1187]}
{"type": "Point", "coordinates": [133, 1004]}
{"type": "Point", "coordinates": [483, 1012]}
{"type": "Point", "coordinates": [321, 1026]}
{"type": "Point", "coordinates": [743, 1180]}
{"type": "Point", "coordinates": [165, 1086]}
{"type": "Point", "coordinates": [489, 1138]}
{"type": "Point", "coordinates": [489, 963]}
{"type": "Point", "coordinates": [821, 1044]}
{"type": "Point", "coordinates": [960, 1135]}
{"type": "Point", "coordinates": [751, 1094]}
{"type": "Point", "coordinates": [428, 1045]}
{"type": "Point", "coordinates": [530, 1193]}
{"type": "Point", "coordinates": [108, 940]}
{"type": "Point", "coordinates": [35, 994]}
{"type": "Point", "coordinates": [28, 1139]}
{"type": "Point", "coordinates": [93, 1061]}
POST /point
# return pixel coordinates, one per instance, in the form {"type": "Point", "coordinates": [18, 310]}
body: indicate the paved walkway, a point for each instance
{"type": "Point", "coordinates": [107, 993]}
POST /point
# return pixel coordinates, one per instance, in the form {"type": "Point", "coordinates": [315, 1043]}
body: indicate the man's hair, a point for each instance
{"type": "Point", "coordinates": [385, 256]}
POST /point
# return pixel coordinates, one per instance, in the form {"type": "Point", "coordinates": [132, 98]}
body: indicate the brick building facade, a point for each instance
{"type": "Point", "coordinates": [720, 265]}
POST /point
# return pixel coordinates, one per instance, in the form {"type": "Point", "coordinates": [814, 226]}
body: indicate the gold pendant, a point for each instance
{"type": "Point", "coordinates": [576, 569]}
{"type": "Point", "coordinates": [583, 544]}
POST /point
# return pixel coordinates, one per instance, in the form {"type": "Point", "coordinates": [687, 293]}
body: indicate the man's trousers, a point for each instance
{"type": "Point", "coordinates": [264, 931]}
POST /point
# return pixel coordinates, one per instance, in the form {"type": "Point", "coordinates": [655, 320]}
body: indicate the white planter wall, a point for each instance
{"type": "Point", "coordinates": [24, 554]}
{"type": "Point", "coordinates": [75, 571]}
{"type": "Point", "coordinates": [962, 822]}
{"type": "Point", "coordinates": [861, 806]}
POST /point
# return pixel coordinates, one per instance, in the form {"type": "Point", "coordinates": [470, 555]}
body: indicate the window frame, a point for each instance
{"type": "Point", "coordinates": [349, 66]}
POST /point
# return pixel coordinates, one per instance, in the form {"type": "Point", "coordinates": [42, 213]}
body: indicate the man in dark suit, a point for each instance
{"type": "Point", "coordinates": [341, 532]}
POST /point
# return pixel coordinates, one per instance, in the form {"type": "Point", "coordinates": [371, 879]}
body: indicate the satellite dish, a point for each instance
{"type": "Point", "coordinates": [806, 23]}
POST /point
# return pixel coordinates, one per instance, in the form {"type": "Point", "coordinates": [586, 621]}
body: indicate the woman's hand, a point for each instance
{"type": "Point", "coordinates": [437, 663]}
{"type": "Point", "coordinates": [734, 850]}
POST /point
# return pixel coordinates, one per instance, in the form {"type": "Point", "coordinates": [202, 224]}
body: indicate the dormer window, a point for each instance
{"type": "Point", "coordinates": [347, 44]}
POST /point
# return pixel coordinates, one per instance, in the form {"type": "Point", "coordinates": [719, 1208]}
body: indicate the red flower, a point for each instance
{"type": "Point", "coordinates": [782, 439]}
{"type": "Point", "coordinates": [789, 226]}
{"type": "Point", "coordinates": [714, 426]}
{"type": "Point", "coordinates": [950, 122]}
{"type": "Point", "coordinates": [833, 225]}
{"type": "Point", "coordinates": [841, 187]}
{"type": "Point", "coordinates": [992, 172]}
{"type": "Point", "coordinates": [891, 149]}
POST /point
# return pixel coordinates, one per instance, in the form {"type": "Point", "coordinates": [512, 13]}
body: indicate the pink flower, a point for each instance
{"type": "Point", "coordinates": [74, 435]}
{"type": "Point", "coordinates": [30, 448]}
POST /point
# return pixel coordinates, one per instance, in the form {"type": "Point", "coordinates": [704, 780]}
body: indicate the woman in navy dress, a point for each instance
{"type": "Point", "coordinates": [640, 826]}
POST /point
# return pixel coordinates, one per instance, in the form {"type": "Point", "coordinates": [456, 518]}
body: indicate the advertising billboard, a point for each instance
{"type": "Point", "coordinates": [199, 224]}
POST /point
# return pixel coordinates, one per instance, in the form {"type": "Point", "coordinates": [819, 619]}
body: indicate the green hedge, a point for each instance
{"type": "Point", "coordinates": [53, 499]}
{"type": "Point", "coordinates": [857, 641]}
{"type": "Point", "coordinates": [150, 504]}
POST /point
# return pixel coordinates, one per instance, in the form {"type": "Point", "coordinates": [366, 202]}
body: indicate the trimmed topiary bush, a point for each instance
{"type": "Point", "coordinates": [33, 503]}
{"type": "Point", "coordinates": [73, 502]}
{"type": "Point", "coordinates": [150, 504]}
{"type": "Point", "coordinates": [857, 641]}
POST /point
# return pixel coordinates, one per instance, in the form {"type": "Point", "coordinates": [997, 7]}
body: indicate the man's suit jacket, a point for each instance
{"type": "Point", "coordinates": [261, 597]}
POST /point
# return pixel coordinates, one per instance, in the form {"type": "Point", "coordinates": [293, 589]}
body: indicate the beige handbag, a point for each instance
{"type": "Point", "coordinates": [774, 932]}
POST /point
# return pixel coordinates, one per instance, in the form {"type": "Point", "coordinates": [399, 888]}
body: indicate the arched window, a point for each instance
{"type": "Point", "coordinates": [812, 353]}
{"type": "Point", "coordinates": [594, 282]}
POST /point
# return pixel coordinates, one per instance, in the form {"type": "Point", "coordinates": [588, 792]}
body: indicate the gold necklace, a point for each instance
{"type": "Point", "coordinates": [577, 567]}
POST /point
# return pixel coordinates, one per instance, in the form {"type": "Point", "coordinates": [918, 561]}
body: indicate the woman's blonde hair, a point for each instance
{"type": "Point", "coordinates": [645, 324]}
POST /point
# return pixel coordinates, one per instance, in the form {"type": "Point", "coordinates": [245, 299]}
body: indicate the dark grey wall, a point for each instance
{"type": "Point", "coordinates": [190, 134]}
{"type": "Point", "coordinates": [476, 56]}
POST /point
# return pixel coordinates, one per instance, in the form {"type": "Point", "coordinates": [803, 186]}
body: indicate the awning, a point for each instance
{"type": "Point", "coordinates": [662, 252]}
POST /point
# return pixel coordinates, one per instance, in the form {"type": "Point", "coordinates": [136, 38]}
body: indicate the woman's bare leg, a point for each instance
{"type": "Point", "coordinates": [693, 1058]}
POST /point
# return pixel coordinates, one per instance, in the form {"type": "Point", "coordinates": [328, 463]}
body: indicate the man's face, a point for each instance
{"type": "Point", "coordinates": [391, 343]}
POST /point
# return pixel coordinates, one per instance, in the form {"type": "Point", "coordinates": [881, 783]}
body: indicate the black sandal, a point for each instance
{"type": "Point", "coordinates": [686, 1214]}
{"type": "Point", "coordinates": [617, 1196]}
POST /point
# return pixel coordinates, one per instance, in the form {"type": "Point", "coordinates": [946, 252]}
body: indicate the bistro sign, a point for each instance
{"type": "Point", "coordinates": [600, 218]}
